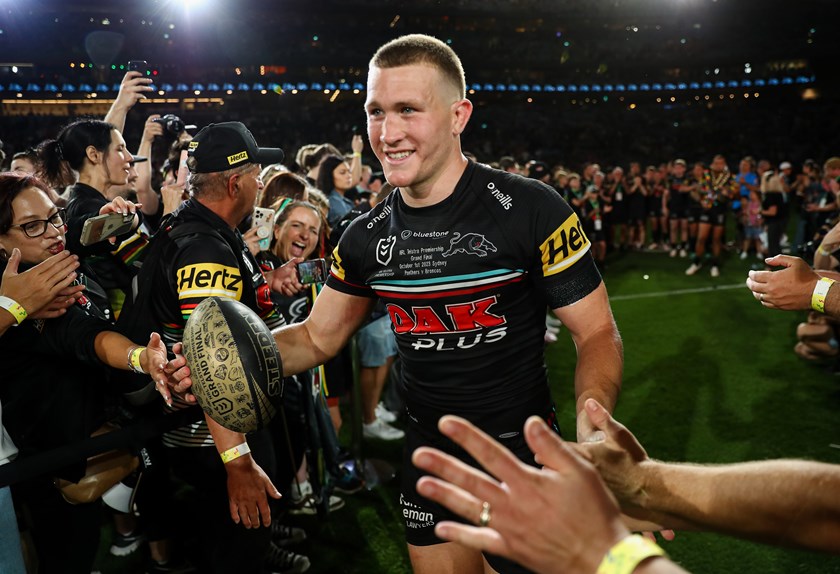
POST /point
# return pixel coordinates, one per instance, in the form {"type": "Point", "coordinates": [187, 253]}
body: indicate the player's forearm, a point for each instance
{"type": "Point", "coordinates": [600, 364]}
{"type": "Point", "coordinates": [297, 350]}
{"type": "Point", "coordinates": [786, 502]}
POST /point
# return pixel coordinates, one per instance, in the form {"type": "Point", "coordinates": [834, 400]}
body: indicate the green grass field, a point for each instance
{"type": "Point", "coordinates": [709, 377]}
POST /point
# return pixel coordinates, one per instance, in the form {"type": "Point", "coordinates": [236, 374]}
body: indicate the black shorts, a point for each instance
{"type": "Point", "coordinates": [716, 215]}
{"type": "Point", "coordinates": [694, 212]}
{"type": "Point", "coordinates": [421, 514]}
{"type": "Point", "coordinates": [676, 211]}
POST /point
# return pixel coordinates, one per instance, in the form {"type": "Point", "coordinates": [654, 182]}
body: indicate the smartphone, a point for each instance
{"type": "Point", "coordinates": [183, 170]}
{"type": "Point", "coordinates": [263, 220]}
{"type": "Point", "coordinates": [312, 271]}
{"type": "Point", "coordinates": [138, 66]}
{"type": "Point", "coordinates": [102, 227]}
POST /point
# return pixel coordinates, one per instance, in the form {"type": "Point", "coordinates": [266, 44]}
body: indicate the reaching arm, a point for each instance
{"type": "Point", "coordinates": [559, 518]}
{"type": "Point", "coordinates": [247, 483]}
{"type": "Point", "coordinates": [44, 290]}
{"type": "Point", "coordinates": [333, 320]}
{"type": "Point", "coordinates": [145, 194]}
{"type": "Point", "coordinates": [357, 144]}
{"type": "Point", "coordinates": [132, 90]}
{"type": "Point", "coordinates": [789, 502]}
{"type": "Point", "coordinates": [600, 354]}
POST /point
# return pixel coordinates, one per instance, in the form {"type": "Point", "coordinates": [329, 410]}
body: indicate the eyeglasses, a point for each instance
{"type": "Point", "coordinates": [38, 227]}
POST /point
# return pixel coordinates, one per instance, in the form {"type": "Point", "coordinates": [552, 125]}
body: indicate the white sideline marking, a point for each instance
{"type": "Point", "coordinates": [677, 292]}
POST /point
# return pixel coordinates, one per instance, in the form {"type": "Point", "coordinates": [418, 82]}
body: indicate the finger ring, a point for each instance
{"type": "Point", "coordinates": [484, 516]}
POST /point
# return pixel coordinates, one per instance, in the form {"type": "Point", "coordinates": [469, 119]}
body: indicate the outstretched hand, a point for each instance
{"type": "Point", "coordinates": [46, 290]}
{"type": "Point", "coordinates": [560, 518]}
{"type": "Point", "coordinates": [177, 375]}
{"type": "Point", "coordinates": [620, 460]}
{"type": "Point", "coordinates": [788, 289]}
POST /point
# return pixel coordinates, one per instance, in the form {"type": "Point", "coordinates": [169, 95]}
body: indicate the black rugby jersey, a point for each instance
{"type": "Point", "coordinates": [466, 283]}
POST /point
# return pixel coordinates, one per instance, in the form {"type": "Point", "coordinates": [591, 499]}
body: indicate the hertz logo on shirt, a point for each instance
{"type": "Point", "coordinates": [193, 145]}
{"type": "Point", "coordinates": [207, 280]}
{"type": "Point", "coordinates": [237, 157]}
{"type": "Point", "coordinates": [564, 247]}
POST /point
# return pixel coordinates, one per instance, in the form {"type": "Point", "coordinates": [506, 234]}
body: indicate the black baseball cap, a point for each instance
{"type": "Point", "coordinates": [537, 169]}
{"type": "Point", "coordinates": [223, 146]}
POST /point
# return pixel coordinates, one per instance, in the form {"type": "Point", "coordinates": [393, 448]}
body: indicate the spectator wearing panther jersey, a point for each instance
{"type": "Point", "coordinates": [465, 259]}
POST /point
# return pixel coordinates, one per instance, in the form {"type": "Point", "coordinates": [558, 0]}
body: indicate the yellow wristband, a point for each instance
{"type": "Point", "coordinates": [627, 554]}
{"type": "Point", "coordinates": [134, 360]}
{"type": "Point", "coordinates": [13, 307]}
{"type": "Point", "coordinates": [823, 252]}
{"type": "Point", "coordinates": [820, 293]}
{"type": "Point", "coordinates": [235, 452]}
{"type": "Point", "coordinates": [357, 154]}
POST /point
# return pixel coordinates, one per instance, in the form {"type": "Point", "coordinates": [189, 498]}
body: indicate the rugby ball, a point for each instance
{"type": "Point", "coordinates": [235, 366]}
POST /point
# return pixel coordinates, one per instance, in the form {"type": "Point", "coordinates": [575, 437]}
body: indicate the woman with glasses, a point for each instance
{"type": "Point", "coordinates": [55, 383]}
{"type": "Point", "coordinates": [96, 151]}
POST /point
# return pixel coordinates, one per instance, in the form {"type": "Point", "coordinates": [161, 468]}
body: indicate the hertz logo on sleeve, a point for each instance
{"type": "Point", "coordinates": [209, 279]}
{"type": "Point", "coordinates": [564, 247]}
{"type": "Point", "coordinates": [237, 157]}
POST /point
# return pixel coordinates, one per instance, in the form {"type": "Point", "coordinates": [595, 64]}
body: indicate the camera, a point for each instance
{"type": "Point", "coordinates": [172, 123]}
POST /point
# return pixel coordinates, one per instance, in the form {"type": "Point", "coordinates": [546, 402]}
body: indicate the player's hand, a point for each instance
{"type": "Point", "coordinates": [284, 279]}
{"type": "Point", "coordinates": [620, 460]}
{"type": "Point", "coordinates": [248, 486]}
{"type": "Point", "coordinates": [788, 289]}
{"type": "Point", "coordinates": [177, 375]}
{"type": "Point", "coordinates": [559, 518]}
{"type": "Point", "coordinates": [45, 290]}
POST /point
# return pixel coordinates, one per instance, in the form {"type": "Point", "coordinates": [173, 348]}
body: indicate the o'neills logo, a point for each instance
{"type": "Point", "coordinates": [237, 157]}
{"type": "Point", "coordinates": [505, 200]}
{"type": "Point", "coordinates": [385, 213]}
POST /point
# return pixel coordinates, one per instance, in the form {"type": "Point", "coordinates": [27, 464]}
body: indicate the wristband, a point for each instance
{"type": "Point", "coordinates": [627, 554]}
{"type": "Point", "coordinates": [13, 307]}
{"type": "Point", "coordinates": [357, 154]}
{"type": "Point", "coordinates": [823, 252]}
{"type": "Point", "coordinates": [820, 293]}
{"type": "Point", "coordinates": [134, 360]}
{"type": "Point", "coordinates": [235, 452]}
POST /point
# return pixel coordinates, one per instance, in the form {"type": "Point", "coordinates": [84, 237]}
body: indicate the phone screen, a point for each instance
{"type": "Point", "coordinates": [312, 271]}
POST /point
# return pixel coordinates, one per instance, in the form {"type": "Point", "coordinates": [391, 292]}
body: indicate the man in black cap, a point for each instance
{"type": "Point", "coordinates": [203, 255]}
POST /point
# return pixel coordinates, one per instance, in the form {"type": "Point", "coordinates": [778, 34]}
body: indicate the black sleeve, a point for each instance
{"type": "Point", "coordinates": [72, 336]}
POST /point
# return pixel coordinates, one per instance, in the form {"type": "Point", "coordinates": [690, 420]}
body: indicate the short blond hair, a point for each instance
{"type": "Point", "coordinates": [422, 49]}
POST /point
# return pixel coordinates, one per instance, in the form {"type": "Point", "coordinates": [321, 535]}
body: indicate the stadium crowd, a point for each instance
{"type": "Point", "coordinates": [696, 209]}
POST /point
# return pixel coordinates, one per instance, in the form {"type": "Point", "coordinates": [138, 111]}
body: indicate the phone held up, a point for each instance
{"type": "Point", "coordinates": [263, 220]}
{"type": "Point", "coordinates": [312, 271]}
{"type": "Point", "coordinates": [104, 227]}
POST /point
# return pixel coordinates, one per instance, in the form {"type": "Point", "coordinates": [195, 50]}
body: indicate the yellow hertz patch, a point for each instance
{"type": "Point", "coordinates": [564, 247]}
{"type": "Point", "coordinates": [193, 145]}
{"type": "Point", "coordinates": [209, 279]}
{"type": "Point", "coordinates": [237, 157]}
{"type": "Point", "coordinates": [336, 268]}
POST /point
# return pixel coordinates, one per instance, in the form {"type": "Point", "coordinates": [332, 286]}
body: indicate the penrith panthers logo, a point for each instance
{"type": "Point", "coordinates": [470, 244]}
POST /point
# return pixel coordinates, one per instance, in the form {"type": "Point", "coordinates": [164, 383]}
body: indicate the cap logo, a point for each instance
{"type": "Point", "coordinates": [237, 157]}
{"type": "Point", "coordinates": [193, 145]}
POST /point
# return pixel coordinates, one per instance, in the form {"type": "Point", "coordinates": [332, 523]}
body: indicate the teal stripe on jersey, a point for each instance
{"type": "Point", "coordinates": [450, 278]}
